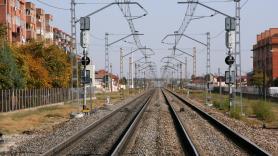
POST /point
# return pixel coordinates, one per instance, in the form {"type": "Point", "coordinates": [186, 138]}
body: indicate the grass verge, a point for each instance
{"type": "Point", "coordinates": [264, 112]}
{"type": "Point", "coordinates": [45, 118]}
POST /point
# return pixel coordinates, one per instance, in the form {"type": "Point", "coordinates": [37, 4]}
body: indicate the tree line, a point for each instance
{"type": "Point", "coordinates": [32, 65]}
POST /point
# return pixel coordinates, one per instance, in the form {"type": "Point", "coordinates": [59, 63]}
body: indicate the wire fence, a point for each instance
{"type": "Point", "coordinates": [12, 100]}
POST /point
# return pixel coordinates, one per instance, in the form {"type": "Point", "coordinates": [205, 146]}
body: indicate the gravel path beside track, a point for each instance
{"type": "Point", "coordinates": [42, 142]}
{"type": "Point", "coordinates": [265, 138]}
{"type": "Point", "coordinates": [207, 139]}
{"type": "Point", "coordinates": [155, 134]}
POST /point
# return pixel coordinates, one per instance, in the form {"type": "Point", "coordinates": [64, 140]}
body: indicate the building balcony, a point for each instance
{"type": "Point", "coordinates": [49, 28]}
{"type": "Point", "coordinates": [30, 5]}
{"type": "Point", "coordinates": [40, 24]}
{"type": "Point", "coordinates": [30, 20]}
{"type": "Point", "coordinates": [40, 11]}
{"type": "Point", "coordinates": [31, 34]}
{"type": "Point", "coordinates": [48, 17]}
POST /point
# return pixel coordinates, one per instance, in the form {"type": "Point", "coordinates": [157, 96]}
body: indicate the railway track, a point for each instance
{"type": "Point", "coordinates": [158, 131]}
{"type": "Point", "coordinates": [210, 136]}
{"type": "Point", "coordinates": [100, 137]}
{"type": "Point", "coordinates": [159, 122]}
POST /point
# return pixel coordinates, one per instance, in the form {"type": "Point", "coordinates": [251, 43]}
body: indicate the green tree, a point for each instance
{"type": "Point", "coordinates": [29, 58]}
{"type": "Point", "coordinates": [3, 32]}
{"type": "Point", "coordinates": [274, 83]}
{"type": "Point", "coordinates": [123, 81]}
{"type": "Point", "coordinates": [258, 79]}
{"type": "Point", "coordinates": [57, 62]}
{"type": "Point", "coordinates": [10, 74]}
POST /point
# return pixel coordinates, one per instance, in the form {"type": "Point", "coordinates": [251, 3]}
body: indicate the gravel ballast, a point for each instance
{"type": "Point", "coordinates": [155, 134]}
{"type": "Point", "coordinates": [267, 139]}
{"type": "Point", "coordinates": [39, 143]}
{"type": "Point", "coordinates": [207, 139]}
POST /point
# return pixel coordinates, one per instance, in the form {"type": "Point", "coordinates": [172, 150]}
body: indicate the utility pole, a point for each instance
{"type": "Point", "coordinates": [110, 78]}
{"type": "Point", "coordinates": [194, 62]}
{"type": "Point", "coordinates": [185, 68]}
{"type": "Point", "coordinates": [106, 63]}
{"type": "Point", "coordinates": [135, 75]}
{"type": "Point", "coordinates": [208, 92]}
{"type": "Point", "coordinates": [220, 81]}
{"type": "Point", "coordinates": [74, 79]}
{"type": "Point", "coordinates": [132, 78]}
{"type": "Point", "coordinates": [121, 72]}
{"type": "Point", "coordinates": [144, 79]}
{"type": "Point", "coordinates": [238, 53]}
{"type": "Point", "coordinates": [121, 63]}
{"type": "Point", "coordinates": [130, 74]}
{"type": "Point", "coordinates": [172, 80]}
{"type": "Point", "coordinates": [180, 76]}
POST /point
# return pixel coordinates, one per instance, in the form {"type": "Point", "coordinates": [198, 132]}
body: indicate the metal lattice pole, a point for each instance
{"type": "Point", "coordinates": [129, 74]}
{"type": "Point", "coordinates": [208, 69]}
{"type": "Point", "coordinates": [121, 71]}
{"type": "Point", "coordinates": [106, 64]}
{"type": "Point", "coordinates": [208, 53]}
{"type": "Point", "coordinates": [185, 68]}
{"type": "Point", "coordinates": [194, 62]}
{"type": "Point", "coordinates": [238, 55]}
{"type": "Point", "coordinates": [121, 63]}
{"type": "Point", "coordinates": [180, 76]}
{"type": "Point", "coordinates": [74, 80]}
{"type": "Point", "coordinates": [132, 78]}
{"type": "Point", "coordinates": [135, 75]}
{"type": "Point", "coordinates": [110, 78]}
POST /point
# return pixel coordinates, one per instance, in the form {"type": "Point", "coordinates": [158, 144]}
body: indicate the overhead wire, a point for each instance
{"type": "Point", "coordinates": [52, 6]}
{"type": "Point", "coordinates": [244, 4]}
{"type": "Point", "coordinates": [217, 1]}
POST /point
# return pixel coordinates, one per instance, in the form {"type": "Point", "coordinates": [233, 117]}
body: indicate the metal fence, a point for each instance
{"type": "Point", "coordinates": [11, 100]}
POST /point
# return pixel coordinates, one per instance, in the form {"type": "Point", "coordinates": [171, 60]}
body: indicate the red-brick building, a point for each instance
{"type": "Point", "coordinates": [12, 14]}
{"type": "Point", "coordinates": [25, 22]}
{"type": "Point", "coordinates": [265, 53]}
{"type": "Point", "coordinates": [31, 21]}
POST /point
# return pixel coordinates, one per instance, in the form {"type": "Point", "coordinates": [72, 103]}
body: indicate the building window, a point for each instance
{"type": "Point", "coordinates": [17, 4]}
{"type": "Point", "coordinates": [28, 12]}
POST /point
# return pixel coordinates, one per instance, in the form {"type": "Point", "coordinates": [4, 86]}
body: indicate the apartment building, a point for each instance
{"type": "Point", "coordinates": [62, 39]}
{"type": "Point", "coordinates": [31, 21]}
{"type": "Point", "coordinates": [40, 24]}
{"type": "Point", "coordinates": [12, 14]}
{"type": "Point", "coordinates": [48, 28]}
{"type": "Point", "coordinates": [25, 22]}
{"type": "Point", "coordinates": [265, 53]}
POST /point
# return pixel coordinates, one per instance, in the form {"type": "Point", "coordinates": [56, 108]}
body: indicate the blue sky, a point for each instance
{"type": "Point", "coordinates": [165, 17]}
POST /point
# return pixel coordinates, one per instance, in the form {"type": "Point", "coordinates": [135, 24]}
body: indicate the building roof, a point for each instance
{"type": "Point", "coordinates": [101, 73]}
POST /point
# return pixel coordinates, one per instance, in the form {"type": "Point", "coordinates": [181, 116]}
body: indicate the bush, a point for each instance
{"type": "Point", "coordinates": [221, 104]}
{"type": "Point", "coordinates": [263, 111]}
{"type": "Point", "coordinates": [235, 113]}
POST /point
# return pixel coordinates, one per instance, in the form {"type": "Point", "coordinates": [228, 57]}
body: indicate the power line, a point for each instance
{"type": "Point", "coordinates": [52, 6]}
{"type": "Point", "coordinates": [220, 33]}
{"type": "Point", "coordinates": [92, 3]}
{"type": "Point", "coordinates": [216, 1]}
{"type": "Point", "coordinates": [95, 37]}
{"type": "Point", "coordinates": [244, 4]}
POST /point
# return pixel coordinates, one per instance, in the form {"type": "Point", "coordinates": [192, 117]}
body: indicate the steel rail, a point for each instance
{"type": "Point", "coordinates": [129, 131]}
{"type": "Point", "coordinates": [187, 144]}
{"type": "Point", "coordinates": [86, 130]}
{"type": "Point", "coordinates": [237, 138]}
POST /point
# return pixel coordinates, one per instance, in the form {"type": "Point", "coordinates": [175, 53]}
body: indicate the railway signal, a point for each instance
{"type": "Point", "coordinates": [84, 43]}
{"type": "Point", "coordinates": [85, 61]}
{"type": "Point", "coordinates": [229, 60]}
